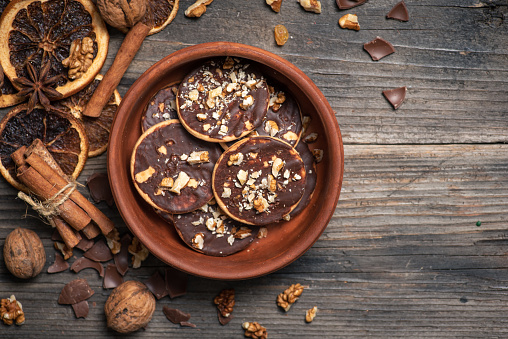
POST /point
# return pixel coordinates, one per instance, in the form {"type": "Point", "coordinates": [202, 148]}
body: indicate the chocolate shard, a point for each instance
{"type": "Point", "coordinates": [99, 252]}
{"type": "Point", "coordinates": [399, 12]}
{"type": "Point", "coordinates": [157, 285]}
{"type": "Point", "coordinates": [378, 48]}
{"type": "Point", "coordinates": [395, 96]}
{"type": "Point", "coordinates": [59, 265]}
{"type": "Point", "coordinates": [56, 236]}
{"type": "Point", "coordinates": [85, 244]}
{"type": "Point", "coordinates": [98, 185]}
{"type": "Point", "coordinates": [112, 278]}
{"type": "Point", "coordinates": [176, 282]}
{"type": "Point", "coordinates": [75, 291]}
{"type": "Point", "coordinates": [83, 263]}
{"type": "Point", "coordinates": [347, 4]}
{"type": "Point", "coordinates": [187, 324]}
{"type": "Point", "coordinates": [81, 309]}
{"type": "Point", "coordinates": [122, 257]}
{"type": "Point", "coordinates": [175, 315]}
{"type": "Point", "coordinates": [224, 320]}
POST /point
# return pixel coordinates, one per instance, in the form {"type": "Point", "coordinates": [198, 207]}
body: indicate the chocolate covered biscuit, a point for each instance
{"type": "Point", "coordinates": [171, 169]}
{"type": "Point", "coordinates": [162, 107]}
{"type": "Point", "coordinates": [222, 100]}
{"type": "Point", "coordinates": [259, 180]}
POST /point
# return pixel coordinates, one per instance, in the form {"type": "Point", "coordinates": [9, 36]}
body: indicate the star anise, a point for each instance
{"type": "Point", "coordinates": [38, 86]}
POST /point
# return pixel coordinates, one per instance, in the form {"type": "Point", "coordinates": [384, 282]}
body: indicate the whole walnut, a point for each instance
{"type": "Point", "coordinates": [24, 253]}
{"type": "Point", "coordinates": [129, 307]}
{"type": "Point", "coordinates": [122, 14]}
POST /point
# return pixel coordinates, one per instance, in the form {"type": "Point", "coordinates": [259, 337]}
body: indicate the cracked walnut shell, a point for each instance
{"type": "Point", "coordinates": [11, 311]}
{"type": "Point", "coordinates": [225, 302]}
{"type": "Point", "coordinates": [129, 307]}
{"type": "Point", "coordinates": [289, 296]}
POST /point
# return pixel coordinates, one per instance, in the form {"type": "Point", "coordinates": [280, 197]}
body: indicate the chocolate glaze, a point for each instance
{"type": "Point", "coordinates": [227, 110]}
{"type": "Point", "coordinates": [310, 178]}
{"type": "Point", "coordinates": [399, 12]}
{"type": "Point", "coordinates": [289, 191]}
{"type": "Point", "coordinates": [177, 142]}
{"type": "Point", "coordinates": [378, 48]}
{"type": "Point", "coordinates": [347, 4]}
{"type": "Point", "coordinates": [165, 99]}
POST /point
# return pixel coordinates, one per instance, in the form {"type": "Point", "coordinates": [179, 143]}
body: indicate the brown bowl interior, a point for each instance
{"type": "Point", "coordinates": [286, 241]}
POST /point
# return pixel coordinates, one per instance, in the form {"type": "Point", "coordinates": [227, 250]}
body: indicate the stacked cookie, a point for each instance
{"type": "Point", "coordinates": [216, 199]}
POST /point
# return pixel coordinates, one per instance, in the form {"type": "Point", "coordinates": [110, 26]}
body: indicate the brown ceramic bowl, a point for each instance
{"type": "Point", "coordinates": [286, 241]}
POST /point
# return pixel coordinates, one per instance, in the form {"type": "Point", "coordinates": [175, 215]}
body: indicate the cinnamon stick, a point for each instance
{"type": "Point", "coordinates": [91, 231]}
{"type": "Point", "coordinates": [37, 147]}
{"type": "Point", "coordinates": [69, 236]}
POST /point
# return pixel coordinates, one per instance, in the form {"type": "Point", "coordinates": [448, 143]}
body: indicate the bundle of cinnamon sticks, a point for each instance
{"type": "Point", "coordinates": [73, 213]}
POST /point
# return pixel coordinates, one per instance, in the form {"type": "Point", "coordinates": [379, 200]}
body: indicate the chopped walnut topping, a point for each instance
{"type": "Point", "coordinates": [242, 233]}
{"type": "Point", "coordinates": [193, 95]}
{"type": "Point", "coordinates": [113, 240]}
{"type": "Point", "coordinates": [247, 102]}
{"type": "Point", "coordinates": [271, 128]}
{"type": "Point", "coordinates": [305, 123]}
{"type": "Point", "coordinates": [263, 232]}
{"type": "Point", "coordinates": [223, 129]}
{"type": "Point", "coordinates": [254, 330]}
{"type": "Point", "coordinates": [260, 204]}
{"type": "Point", "coordinates": [180, 183]}
{"type": "Point", "coordinates": [166, 182]}
{"type": "Point", "coordinates": [193, 183]}
{"type": "Point", "coordinates": [210, 102]}
{"type": "Point", "coordinates": [272, 186]}
{"type": "Point", "coordinates": [211, 224]}
{"type": "Point", "coordinates": [232, 86]}
{"type": "Point", "coordinates": [226, 193]}
{"type": "Point", "coordinates": [139, 252]}
{"type": "Point", "coordinates": [80, 57]}
{"type": "Point", "coordinates": [228, 63]}
{"type": "Point", "coordinates": [143, 176]}
{"type": "Point", "coordinates": [235, 159]}
{"type": "Point", "coordinates": [311, 5]}
{"type": "Point", "coordinates": [289, 296]}
{"type": "Point", "coordinates": [242, 176]}
{"type": "Point", "coordinates": [310, 138]}
{"type": "Point", "coordinates": [198, 241]}
{"type": "Point", "coordinates": [162, 150]}
{"type": "Point", "coordinates": [206, 127]}
{"type": "Point", "coordinates": [201, 116]}
{"type": "Point", "coordinates": [310, 314]}
{"type": "Point", "coordinates": [277, 166]}
{"type": "Point", "coordinates": [318, 154]}
{"type": "Point", "coordinates": [11, 311]}
{"type": "Point", "coordinates": [225, 302]}
{"type": "Point", "coordinates": [198, 157]}
{"type": "Point", "coordinates": [290, 136]}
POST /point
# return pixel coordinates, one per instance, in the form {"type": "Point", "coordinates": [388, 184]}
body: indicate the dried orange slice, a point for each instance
{"type": "Point", "coordinates": [38, 31]}
{"type": "Point", "coordinates": [63, 136]}
{"type": "Point", "coordinates": [97, 129]}
{"type": "Point", "coordinates": [8, 95]}
{"type": "Point", "coordinates": [159, 13]}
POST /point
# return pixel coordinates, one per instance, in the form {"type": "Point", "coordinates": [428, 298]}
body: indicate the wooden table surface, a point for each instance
{"type": "Point", "coordinates": [403, 255]}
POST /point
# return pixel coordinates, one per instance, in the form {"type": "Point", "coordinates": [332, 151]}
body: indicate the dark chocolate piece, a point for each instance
{"type": "Point", "coordinates": [378, 48]}
{"type": "Point", "coordinates": [99, 252]}
{"type": "Point", "coordinates": [85, 244]}
{"type": "Point", "coordinates": [162, 107]}
{"type": "Point", "coordinates": [122, 257]}
{"type": "Point", "coordinates": [399, 12]}
{"type": "Point", "coordinates": [176, 282]}
{"type": "Point", "coordinates": [259, 180]}
{"type": "Point", "coordinates": [81, 309]}
{"type": "Point", "coordinates": [112, 278]}
{"type": "Point", "coordinates": [347, 4]}
{"type": "Point", "coordinates": [55, 236]}
{"type": "Point", "coordinates": [187, 324]}
{"type": "Point", "coordinates": [164, 155]}
{"type": "Point", "coordinates": [210, 231]}
{"type": "Point", "coordinates": [395, 96]}
{"type": "Point", "coordinates": [98, 185]}
{"type": "Point", "coordinates": [175, 315]}
{"type": "Point", "coordinates": [310, 179]}
{"type": "Point", "coordinates": [224, 320]}
{"type": "Point", "coordinates": [157, 285]}
{"type": "Point", "coordinates": [222, 100]}
{"type": "Point", "coordinates": [83, 263]}
{"type": "Point", "coordinates": [75, 291]}
{"type": "Point", "coordinates": [59, 265]}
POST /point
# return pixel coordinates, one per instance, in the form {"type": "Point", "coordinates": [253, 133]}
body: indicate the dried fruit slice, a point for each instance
{"type": "Point", "coordinates": [63, 136]}
{"type": "Point", "coordinates": [39, 30]}
{"type": "Point", "coordinates": [159, 13]}
{"type": "Point", "coordinates": [8, 95]}
{"type": "Point", "coordinates": [97, 129]}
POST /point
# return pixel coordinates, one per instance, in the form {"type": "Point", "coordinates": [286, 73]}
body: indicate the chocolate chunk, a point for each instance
{"type": "Point", "coordinates": [157, 285]}
{"type": "Point", "coordinates": [399, 12]}
{"type": "Point", "coordinates": [310, 179]}
{"type": "Point", "coordinates": [346, 4]}
{"type": "Point", "coordinates": [98, 185]}
{"type": "Point", "coordinates": [187, 324]}
{"type": "Point", "coordinates": [85, 244]}
{"type": "Point", "coordinates": [99, 252]}
{"type": "Point", "coordinates": [75, 291]}
{"type": "Point", "coordinates": [112, 278]}
{"type": "Point", "coordinates": [122, 257]}
{"type": "Point", "coordinates": [55, 236]}
{"type": "Point", "coordinates": [59, 265]}
{"type": "Point", "coordinates": [161, 107]}
{"type": "Point", "coordinates": [176, 282]}
{"type": "Point", "coordinates": [395, 96]}
{"type": "Point", "coordinates": [83, 263]}
{"type": "Point", "coordinates": [224, 320]}
{"type": "Point", "coordinates": [81, 309]}
{"type": "Point", "coordinates": [378, 48]}
{"type": "Point", "coordinates": [175, 315]}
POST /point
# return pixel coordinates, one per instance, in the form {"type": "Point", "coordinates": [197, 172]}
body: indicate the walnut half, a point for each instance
{"type": "Point", "coordinates": [11, 311]}
{"type": "Point", "coordinates": [197, 9]}
{"type": "Point", "coordinates": [289, 296]}
{"type": "Point", "coordinates": [80, 57]}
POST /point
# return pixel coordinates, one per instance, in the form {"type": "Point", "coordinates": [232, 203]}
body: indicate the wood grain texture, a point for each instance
{"type": "Point", "coordinates": [402, 256]}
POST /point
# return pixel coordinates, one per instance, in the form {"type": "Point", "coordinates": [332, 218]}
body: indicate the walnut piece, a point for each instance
{"type": "Point", "coordinates": [243, 233]}
{"type": "Point", "coordinates": [311, 5]}
{"type": "Point", "coordinates": [247, 102]}
{"type": "Point", "coordinates": [349, 21]}
{"type": "Point", "coordinates": [318, 155]}
{"type": "Point", "coordinates": [198, 157]}
{"type": "Point", "coordinates": [262, 233]}
{"type": "Point", "coordinates": [198, 241]}
{"type": "Point", "coordinates": [180, 183]}
{"type": "Point", "coordinates": [277, 166]}
{"type": "Point", "coordinates": [310, 314]}
{"type": "Point", "coordinates": [235, 159]}
{"type": "Point", "coordinates": [113, 240]}
{"type": "Point", "coordinates": [225, 301]}
{"type": "Point", "coordinates": [197, 9]}
{"type": "Point", "coordinates": [139, 252]}
{"type": "Point", "coordinates": [80, 57]}
{"type": "Point", "coordinates": [143, 176]}
{"type": "Point", "coordinates": [310, 138]}
{"type": "Point", "coordinates": [254, 330]}
{"type": "Point", "coordinates": [274, 4]}
{"type": "Point", "coordinates": [11, 311]}
{"type": "Point", "coordinates": [66, 252]}
{"type": "Point", "coordinates": [289, 296]}
{"type": "Point", "coordinates": [271, 127]}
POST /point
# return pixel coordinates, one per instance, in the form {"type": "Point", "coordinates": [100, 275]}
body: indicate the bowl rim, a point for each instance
{"type": "Point", "coordinates": [302, 81]}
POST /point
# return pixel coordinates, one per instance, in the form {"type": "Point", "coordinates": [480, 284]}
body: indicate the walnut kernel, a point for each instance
{"type": "Point", "coordinates": [274, 4]}
{"type": "Point", "coordinates": [197, 9]}
{"type": "Point", "coordinates": [310, 314]}
{"type": "Point", "coordinates": [11, 311]}
{"type": "Point", "coordinates": [311, 5]}
{"type": "Point", "coordinates": [225, 301]}
{"type": "Point", "coordinates": [139, 252]}
{"type": "Point", "coordinates": [254, 330]}
{"type": "Point", "coordinates": [289, 296]}
{"type": "Point", "coordinates": [80, 57]}
{"type": "Point", "coordinates": [349, 21]}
